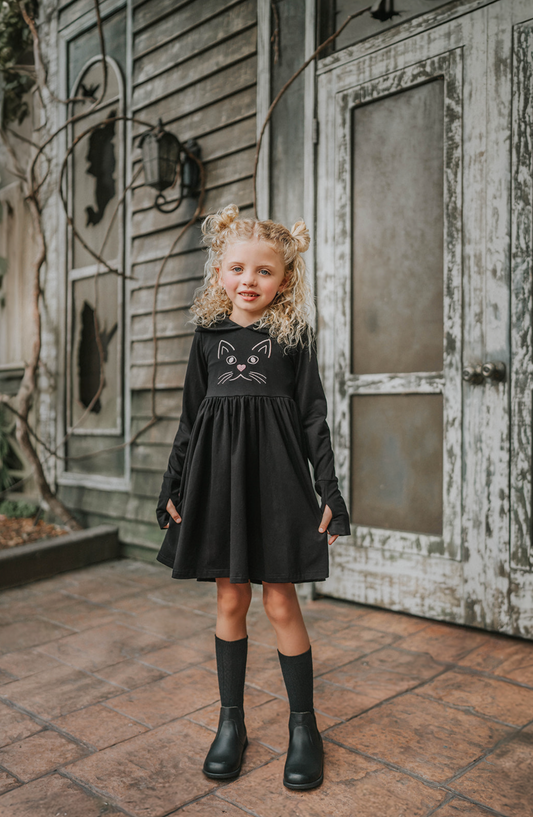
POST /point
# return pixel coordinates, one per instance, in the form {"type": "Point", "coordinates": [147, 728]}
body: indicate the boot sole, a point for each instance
{"type": "Point", "coordinates": [304, 786]}
{"type": "Point", "coordinates": [227, 775]}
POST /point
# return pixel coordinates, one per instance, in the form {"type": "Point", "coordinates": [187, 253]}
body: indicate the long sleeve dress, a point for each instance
{"type": "Point", "coordinates": [253, 418]}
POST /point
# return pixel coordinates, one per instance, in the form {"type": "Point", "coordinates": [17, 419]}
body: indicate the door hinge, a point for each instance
{"type": "Point", "coordinates": [315, 131]}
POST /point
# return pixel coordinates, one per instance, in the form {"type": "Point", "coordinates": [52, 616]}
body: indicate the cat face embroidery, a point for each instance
{"type": "Point", "coordinates": [247, 370]}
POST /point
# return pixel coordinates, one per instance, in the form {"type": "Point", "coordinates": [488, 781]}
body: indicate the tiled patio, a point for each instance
{"type": "Point", "coordinates": [108, 703]}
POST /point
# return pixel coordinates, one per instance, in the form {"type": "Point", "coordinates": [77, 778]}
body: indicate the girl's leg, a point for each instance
{"type": "Point", "coordinates": [283, 610]}
{"type": "Point", "coordinates": [304, 764]}
{"type": "Point", "coordinates": [231, 641]}
{"type": "Point", "coordinates": [224, 758]}
{"type": "Point", "coordinates": [233, 601]}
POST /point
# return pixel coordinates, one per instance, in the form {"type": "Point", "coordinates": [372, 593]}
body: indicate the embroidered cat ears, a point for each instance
{"type": "Point", "coordinates": [264, 346]}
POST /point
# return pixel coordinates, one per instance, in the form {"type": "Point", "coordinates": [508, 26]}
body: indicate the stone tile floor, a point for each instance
{"type": "Point", "coordinates": [108, 704]}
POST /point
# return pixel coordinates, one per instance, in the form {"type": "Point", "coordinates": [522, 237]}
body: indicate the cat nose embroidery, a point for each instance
{"type": "Point", "coordinates": [241, 367]}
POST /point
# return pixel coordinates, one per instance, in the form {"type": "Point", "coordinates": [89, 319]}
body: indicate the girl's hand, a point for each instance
{"type": "Point", "coordinates": [326, 519]}
{"type": "Point", "coordinates": [171, 509]}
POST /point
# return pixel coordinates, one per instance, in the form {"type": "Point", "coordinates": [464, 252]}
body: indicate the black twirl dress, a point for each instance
{"type": "Point", "coordinates": [238, 472]}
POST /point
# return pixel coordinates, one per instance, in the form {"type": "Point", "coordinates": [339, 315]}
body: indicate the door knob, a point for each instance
{"type": "Point", "coordinates": [473, 374]}
{"type": "Point", "coordinates": [482, 373]}
{"type": "Point", "coordinates": [494, 371]}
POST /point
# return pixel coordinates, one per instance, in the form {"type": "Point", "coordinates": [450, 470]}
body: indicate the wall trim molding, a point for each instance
{"type": "Point", "coordinates": [263, 104]}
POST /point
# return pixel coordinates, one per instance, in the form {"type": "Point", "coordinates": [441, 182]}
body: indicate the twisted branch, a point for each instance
{"type": "Point", "coordinates": [28, 385]}
{"type": "Point", "coordinates": [288, 85]}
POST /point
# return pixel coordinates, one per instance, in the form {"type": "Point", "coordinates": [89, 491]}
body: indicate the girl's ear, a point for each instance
{"type": "Point", "coordinates": [283, 285]}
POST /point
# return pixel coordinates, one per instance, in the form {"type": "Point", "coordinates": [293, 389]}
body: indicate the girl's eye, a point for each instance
{"type": "Point", "coordinates": [264, 272]}
{"type": "Point", "coordinates": [231, 360]}
{"type": "Point", "coordinates": [253, 359]}
{"type": "Point", "coordinates": [237, 269]}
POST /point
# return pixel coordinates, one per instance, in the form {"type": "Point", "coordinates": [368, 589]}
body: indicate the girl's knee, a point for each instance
{"type": "Point", "coordinates": [280, 603]}
{"type": "Point", "coordinates": [233, 599]}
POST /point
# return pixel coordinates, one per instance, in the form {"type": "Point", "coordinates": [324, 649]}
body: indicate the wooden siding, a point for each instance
{"type": "Point", "coordinates": [194, 64]}
{"type": "Point", "coordinates": [201, 80]}
{"type": "Point", "coordinates": [72, 11]}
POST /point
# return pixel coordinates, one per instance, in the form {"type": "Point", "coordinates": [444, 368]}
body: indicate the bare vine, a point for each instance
{"type": "Point", "coordinates": [40, 70]}
{"type": "Point", "coordinates": [28, 387]}
{"type": "Point", "coordinates": [97, 256]}
{"type": "Point", "coordinates": [275, 34]}
{"type": "Point", "coordinates": [287, 85]}
{"type": "Point", "coordinates": [25, 434]}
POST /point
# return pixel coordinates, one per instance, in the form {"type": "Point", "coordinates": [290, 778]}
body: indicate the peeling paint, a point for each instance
{"type": "Point", "coordinates": [522, 301]}
{"type": "Point", "coordinates": [486, 57]}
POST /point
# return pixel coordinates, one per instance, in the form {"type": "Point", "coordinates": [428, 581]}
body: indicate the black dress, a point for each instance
{"type": "Point", "coordinates": [238, 474]}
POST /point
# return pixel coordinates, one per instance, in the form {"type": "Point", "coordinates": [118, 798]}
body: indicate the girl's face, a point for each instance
{"type": "Point", "coordinates": [252, 272]}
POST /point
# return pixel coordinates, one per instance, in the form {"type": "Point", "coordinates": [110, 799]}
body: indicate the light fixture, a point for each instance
{"type": "Point", "coordinates": [383, 10]}
{"type": "Point", "coordinates": [163, 156]}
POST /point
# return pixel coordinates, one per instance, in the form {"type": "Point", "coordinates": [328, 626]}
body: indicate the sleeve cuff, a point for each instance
{"type": "Point", "coordinates": [167, 492]}
{"type": "Point", "coordinates": [329, 493]}
{"type": "Point", "coordinates": [163, 516]}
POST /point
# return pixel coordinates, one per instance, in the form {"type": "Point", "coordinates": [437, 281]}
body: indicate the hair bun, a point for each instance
{"type": "Point", "coordinates": [301, 236]}
{"type": "Point", "coordinates": [214, 225]}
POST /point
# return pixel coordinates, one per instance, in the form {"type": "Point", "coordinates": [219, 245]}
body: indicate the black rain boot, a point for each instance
{"type": "Point", "coordinates": [224, 759]}
{"type": "Point", "coordinates": [304, 767]}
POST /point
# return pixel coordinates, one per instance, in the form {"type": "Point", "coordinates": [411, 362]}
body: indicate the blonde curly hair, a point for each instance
{"type": "Point", "coordinates": [290, 316]}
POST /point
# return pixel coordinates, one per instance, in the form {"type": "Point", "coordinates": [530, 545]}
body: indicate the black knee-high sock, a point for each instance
{"type": "Point", "coordinates": [298, 676]}
{"type": "Point", "coordinates": [231, 669]}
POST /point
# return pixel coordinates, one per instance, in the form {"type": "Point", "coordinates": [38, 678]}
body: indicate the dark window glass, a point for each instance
{"type": "Point", "coordinates": [397, 462]}
{"type": "Point", "coordinates": [397, 284]}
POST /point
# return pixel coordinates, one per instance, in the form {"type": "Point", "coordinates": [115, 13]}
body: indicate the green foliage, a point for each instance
{"type": "Point", "coordinates": [15, 42]}
{"type": "Point", "coordinates": [18, 509]}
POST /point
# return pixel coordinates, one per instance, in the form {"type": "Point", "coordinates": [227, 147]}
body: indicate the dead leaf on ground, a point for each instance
{"type": "Point", "coordinates": [15, 532]}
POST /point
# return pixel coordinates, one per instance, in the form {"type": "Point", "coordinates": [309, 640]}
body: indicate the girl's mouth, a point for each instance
{"type": "Point", "coordinates": [249, 296]}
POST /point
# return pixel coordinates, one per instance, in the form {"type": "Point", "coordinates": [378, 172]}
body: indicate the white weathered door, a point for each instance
{"type": "Point", "coordinates": [521, 391]}
{"type": "Point", "coordinates": [415, 246]}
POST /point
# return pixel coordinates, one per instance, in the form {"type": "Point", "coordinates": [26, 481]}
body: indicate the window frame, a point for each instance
{"type": "Point", "coordinates": [65, 35]}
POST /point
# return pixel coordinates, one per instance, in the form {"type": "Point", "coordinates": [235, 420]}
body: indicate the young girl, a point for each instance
{"type": "Point", "coordinates": [237, 497]}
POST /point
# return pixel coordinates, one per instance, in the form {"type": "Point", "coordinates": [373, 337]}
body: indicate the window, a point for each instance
{"type": "Point", "coordinates": [95, 182]}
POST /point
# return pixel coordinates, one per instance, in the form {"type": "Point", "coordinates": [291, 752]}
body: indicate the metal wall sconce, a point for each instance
{"type": "Point", "coordinates": [163, 155]}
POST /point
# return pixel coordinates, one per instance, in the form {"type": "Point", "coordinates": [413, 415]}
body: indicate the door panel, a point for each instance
{"type": "Point", "coordinates": [396, 473]}
{"type": "Point", "coordinates": [385, 253]}
{"type": "Point", "coordinates": [397, 231]}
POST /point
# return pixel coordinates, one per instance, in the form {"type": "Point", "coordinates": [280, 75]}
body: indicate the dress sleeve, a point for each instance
{"type": "Point", "coordinates": [311, 400]}
{"type": "Point", "coordinates": [194, 390]}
